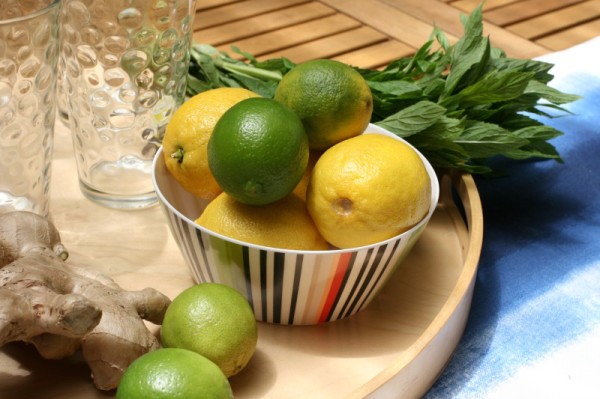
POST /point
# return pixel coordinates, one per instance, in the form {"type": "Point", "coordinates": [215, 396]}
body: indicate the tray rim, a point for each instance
{"type": "Point", "coordinates": [471, 239]}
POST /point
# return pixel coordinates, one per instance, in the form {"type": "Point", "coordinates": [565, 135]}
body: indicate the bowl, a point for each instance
{"type": "Point", "coordinates": [285, 286]}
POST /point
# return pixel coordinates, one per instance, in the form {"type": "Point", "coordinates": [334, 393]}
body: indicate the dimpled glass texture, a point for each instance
{"type": "Point", "coordinates": [125, 67]}
{"type": "Point", "coordinates": [28, 57]}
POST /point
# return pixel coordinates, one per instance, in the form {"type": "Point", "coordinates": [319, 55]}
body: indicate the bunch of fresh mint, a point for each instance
{"type": "Point", "coordinates": [460, 105]}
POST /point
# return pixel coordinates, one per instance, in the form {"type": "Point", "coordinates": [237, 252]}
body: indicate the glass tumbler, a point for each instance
{"type": "Point", "coordinates": [124, 65]}
{"type": "Point", "coordinates": [29, 51]}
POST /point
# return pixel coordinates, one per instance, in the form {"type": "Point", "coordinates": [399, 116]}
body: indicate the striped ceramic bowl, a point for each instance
{"type": "Point", "coordinates": [284, 286]}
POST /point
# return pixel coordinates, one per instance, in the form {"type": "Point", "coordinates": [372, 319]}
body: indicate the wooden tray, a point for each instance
{"type": "Point", "coordinates": [394, 348]}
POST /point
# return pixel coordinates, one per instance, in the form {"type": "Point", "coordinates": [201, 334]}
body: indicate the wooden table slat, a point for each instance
{"type": "Point", "coordinates": [251, 27]}
{"type": "Point", "coordinates": [331, 46]}
{"type": "Point", "coordinates": [555, 21]}
{"type": "Point", "coordinates": [206, 4]}
{"type": "Point", "coordinates": [294, 35]}
{"type": "Point", "coordinates": [239, 11]}
{"type": "Point", "coordinates": [572, 36]}
{"type": "Point", "coordinates": [387, 19]}
{"type": "Point", "coordinates": [376, 56]}
{"type": "Point", "coordinates": [524, 10]}
{"type": "Point", "coordinates": [469, 5]}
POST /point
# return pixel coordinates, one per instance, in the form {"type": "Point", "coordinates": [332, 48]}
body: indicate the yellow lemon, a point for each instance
{"type": "Point", "coordinates": [302, 186]}
{"type": "Point", "coordinates": [367, 189]}
{"type": "Point", "coordinates": [187, 135]}
{"type": "Point", "coordinates": [172, 373]}
{"type": "Point", "coordinates": [215, 321]}
{"type": "Point", "coordinates": [282, 224]}
{"type": "Point", "coordinates": [331, 98]}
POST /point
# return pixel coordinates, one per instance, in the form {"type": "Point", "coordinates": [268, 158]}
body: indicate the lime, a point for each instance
{"type": "Point", "coordinates": [172, 373]}
{"type": "Point", "coordinates": [258, 151]}
{"type": "Point", "coordinates": [331, 98]}
{"type": "Point", "coordinates": [215, 321]}
{"type": "Point", "coordinates": [187, 135]}
{"type": "Point", "coordinates": [280, 224]}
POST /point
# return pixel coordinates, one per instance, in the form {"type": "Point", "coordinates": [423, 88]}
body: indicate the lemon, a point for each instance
{"type": "Point", "coordinates": [258, 151]}
{"type": "Point", "coordinates": [187, 134]}
{"type": "Point", "coordinates": [332, 99]}
{"type": "Point", "coordinates": [215, 321]}
{"type": "Point", "coordinates": [172, 373]}
{"type": "Point", "coordinates": [283, 224]}
{"type": "Point", "coordinates": [367, 189]}
{"type": "Point", "coordinates": [300, 189]}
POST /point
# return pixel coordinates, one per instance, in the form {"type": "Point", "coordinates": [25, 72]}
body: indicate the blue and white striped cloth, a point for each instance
{"type": "Point", "coordinates": [534, 327]}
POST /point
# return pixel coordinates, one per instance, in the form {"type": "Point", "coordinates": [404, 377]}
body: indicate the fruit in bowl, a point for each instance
{"type": "Point", "coordinates": [316, 212]}
{"type": "Point", "coordinates": [288, 286]}
{"type": "Point", "coordinates": [367, 189]}
{"type": "Point", "coordinates": [187, 135]}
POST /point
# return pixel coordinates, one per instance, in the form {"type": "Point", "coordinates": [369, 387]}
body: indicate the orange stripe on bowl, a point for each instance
{"type": "Point", "coordinates": [338, 277]}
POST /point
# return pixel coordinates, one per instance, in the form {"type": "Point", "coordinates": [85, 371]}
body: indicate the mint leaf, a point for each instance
{"type": "Point", "coordinates": [495, 86]}
{"type": "Point", "coordinates": [469, 54]}
{"type": "Point", "coordinates": [534, 149]}
{"type": "Point", "coordinates": [398, 89]}
{"type": "Point", "coordinates": [539, 68]}
{"type": "Point", "coordinates": [537, 132]}
{"type": "Point", "coordinates": [413, 119]}
{"type": "Point", "coordinates": [549, 93]}
{"type": "Point", "coordinates": [446, 128]}
{"type": "Point", "coordinates": [484, 140]}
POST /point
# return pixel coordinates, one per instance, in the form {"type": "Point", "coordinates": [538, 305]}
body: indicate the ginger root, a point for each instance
{"type": "Point", "coordinates": [61, 308]}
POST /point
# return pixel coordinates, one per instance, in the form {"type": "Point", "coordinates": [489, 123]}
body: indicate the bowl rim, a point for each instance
{"type": "Point", "coordinates": [371, 129]}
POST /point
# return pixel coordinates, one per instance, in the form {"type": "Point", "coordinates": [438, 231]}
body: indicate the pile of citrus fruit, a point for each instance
{"type": "Point", "coordinates": [296, 171]}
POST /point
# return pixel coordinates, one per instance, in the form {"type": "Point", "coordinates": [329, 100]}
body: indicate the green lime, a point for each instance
{"type": "Point", "coordinates": [331, 98]}
{"type": "Point", "coordinates": [187, 135]}
{"type": "Point", "coordinates": [258, 151]}
{"type": "Point", "coordinates": [173, 373]}
{"type": "Point", "coordinates": [215, 321]}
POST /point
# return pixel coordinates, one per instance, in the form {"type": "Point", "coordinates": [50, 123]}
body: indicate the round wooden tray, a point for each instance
{"type": "Point", "coordinates": [394, 348]}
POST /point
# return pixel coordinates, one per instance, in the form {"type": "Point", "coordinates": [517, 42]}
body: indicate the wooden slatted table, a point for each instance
{"type": "Point", "coordinates": [371, 33]}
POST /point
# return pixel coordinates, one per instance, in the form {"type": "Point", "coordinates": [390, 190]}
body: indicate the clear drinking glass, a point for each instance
{"type": "Point", "coordinates": [29, 50]}
{"type": "Point", "coordinates": [125, 67]}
